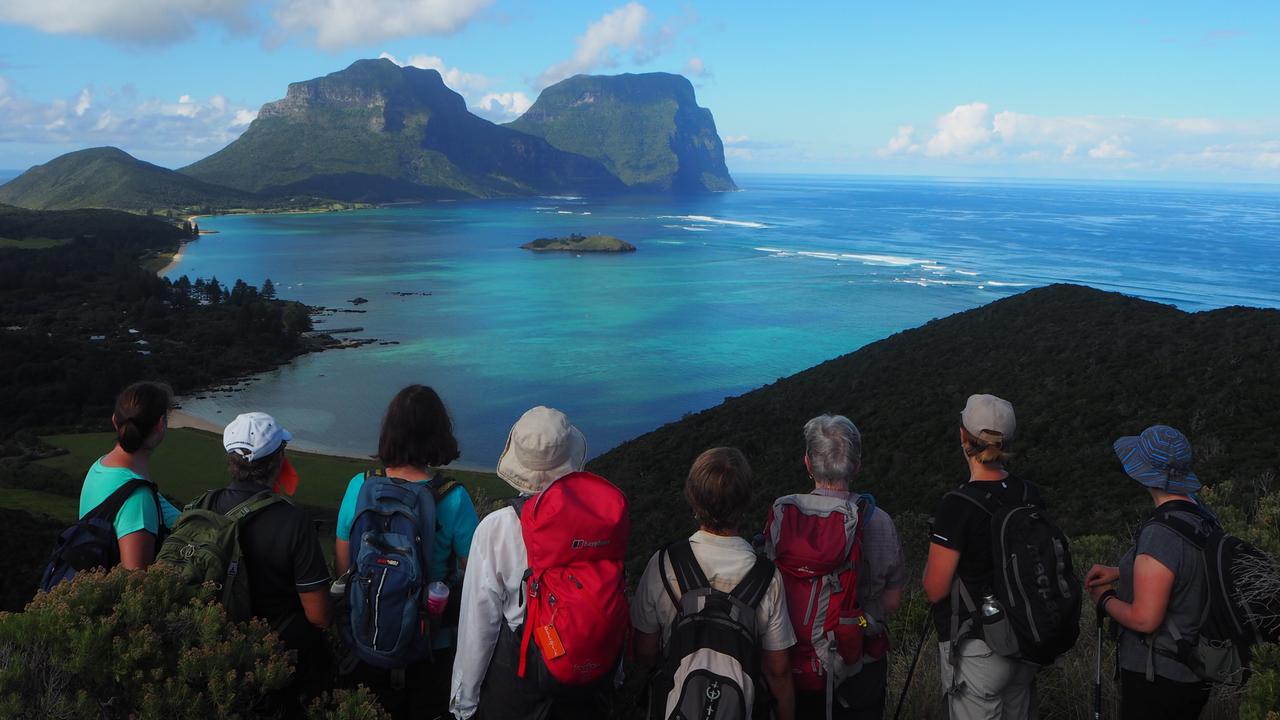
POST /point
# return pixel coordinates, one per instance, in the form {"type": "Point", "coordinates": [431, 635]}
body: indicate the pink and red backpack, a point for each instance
{"type": "Point", "coordinates": [816, 542]}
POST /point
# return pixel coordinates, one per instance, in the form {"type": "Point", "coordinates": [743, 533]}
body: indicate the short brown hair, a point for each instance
{"type": "Point", "coordinates": [982, 451]}
{"type": "Point", "coordinates": [262, 471]}
{"type": "Point", "coordinates": [417, 431]}
{"type": "Point", "coordinates": [718, 488]}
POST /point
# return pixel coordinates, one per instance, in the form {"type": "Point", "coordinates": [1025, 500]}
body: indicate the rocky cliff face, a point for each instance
{"type": "Point", "coordinates": [378, 132]}
{"type": "Point", "coordinates": [646, 129]}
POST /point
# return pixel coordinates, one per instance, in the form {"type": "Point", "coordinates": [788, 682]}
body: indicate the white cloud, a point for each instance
{"type": "Point", "coordinates": [458, 80]}
{"type": "Point", "coordinates": [619, 30]}
{"type": "Point", "coordinates": [696, 67]}
{"type": "Point", "coordinates": [190, 127]}
{"type": "Point", "coordinates": [501, 107]}
{"type": "Point", "coordinates": [84, 102]}
{"type": "Point", "coordinates": [1110, 149]}
{"type": "Point", "coordinates": [338, 24]}
{"type": "Point", "coordinates": [903, 141]}
{"type": "Point", "coordinates": [150, 22]}
{"type": "Point", "coordinates": [971, 134]}
{"type": "Point", "coordinates": [961, 130]}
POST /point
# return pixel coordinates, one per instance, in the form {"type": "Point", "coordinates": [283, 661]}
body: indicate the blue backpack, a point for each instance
{"type": "Point", "coordinates": [91, 542]}
{"type": "Point", "coordinates": [391, 538]}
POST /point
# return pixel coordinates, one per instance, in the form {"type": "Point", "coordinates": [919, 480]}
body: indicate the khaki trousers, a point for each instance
{"type": "Point", "coordinates": [990, 687]}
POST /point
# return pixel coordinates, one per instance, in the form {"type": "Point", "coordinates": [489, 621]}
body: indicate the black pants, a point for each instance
{"type": "Point", "coordinates": [417, 699]}
{"type": "Point", "coordinates": [863, 696]}
{"type": "Point", "coordinates": [1162, 699]}
{"type": "Point", "coordinates": [504, 695]}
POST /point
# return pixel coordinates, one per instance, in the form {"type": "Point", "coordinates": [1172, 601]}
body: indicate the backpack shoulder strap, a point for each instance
{"type": "Point", "coordinates": [753, 586]}
{"type": "Point", "coordinates": [517, 503]}
{"type": "Point", "coordinates": [109, 508]}
{"type": "Point", "coordinates": [1165, 517]}
{"type": "Point", "coordinates": [259, 501]}
{"type": "Point", "coordinates": [689, 574]}
{"type": "Point", "coordinates": [970, 494]}
{"type": "Point", "coordinates": [440, 486]}
{"type": "Point", "coordinates": [866, 503]}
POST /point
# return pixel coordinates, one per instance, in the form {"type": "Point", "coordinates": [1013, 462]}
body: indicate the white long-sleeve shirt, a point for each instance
{"type": "Point", "coordinates": [491, 594]}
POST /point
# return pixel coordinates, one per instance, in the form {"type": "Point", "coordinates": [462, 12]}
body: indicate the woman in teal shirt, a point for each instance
{"type": "Point", "coordinates": [417, 435]}
{"type": "Point", "coordinates": [141, 420]}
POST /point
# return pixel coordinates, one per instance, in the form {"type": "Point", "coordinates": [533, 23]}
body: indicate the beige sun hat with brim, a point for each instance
{"type": "Point", "coordinates": [542, 447]}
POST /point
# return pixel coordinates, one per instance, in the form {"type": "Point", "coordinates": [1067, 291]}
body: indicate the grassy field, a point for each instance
{"type": "Point", "coordinates": [32, 243]}
{"type": "Point", "coordinates": [191, 461]}
{"type": "Point", "coordinates": [58, 507]}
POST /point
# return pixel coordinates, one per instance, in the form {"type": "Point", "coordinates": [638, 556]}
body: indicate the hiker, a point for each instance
{"type": "Point", "coordinates": [835, 534]}
{"type": "Point", "coordinates": [715, 579]}
{"type": "Point", "coordinates": [288, 578]}
{"type": "Point", "coordinates": [978, 681]}
{"type": "Point", "coordinates": [140, 419]}
{"type": "Point", "coordinates": [417, 436]}
{"type": "Point", "coordinates": [1161, 583]}
{"type": "Point", "coordinates": [520, 655]}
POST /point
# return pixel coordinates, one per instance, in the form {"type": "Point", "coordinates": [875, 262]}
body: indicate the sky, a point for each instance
{"type": "Point", "coordinates": [1083, 89]}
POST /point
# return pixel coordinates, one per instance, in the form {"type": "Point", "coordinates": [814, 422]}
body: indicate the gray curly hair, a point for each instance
{"type": "Point", "coordinates": [834, 448]}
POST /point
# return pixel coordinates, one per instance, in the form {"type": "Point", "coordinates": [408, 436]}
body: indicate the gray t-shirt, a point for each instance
{"type": "Point", "coordinates": [1186, 600]}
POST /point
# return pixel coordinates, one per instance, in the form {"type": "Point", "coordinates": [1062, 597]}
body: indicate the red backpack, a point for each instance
{"type": "Point", "coordinates": [816, 542]}
{"type": "Point", "coordinates": [575, 533]}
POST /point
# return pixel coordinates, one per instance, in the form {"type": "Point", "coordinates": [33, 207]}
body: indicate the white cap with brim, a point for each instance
{"type": "Point", "coordinates": [254, 436]}
{"type": "Point", "coordinates": [542, 447]}
{"type": "Point", "coordinates": [989, 419]}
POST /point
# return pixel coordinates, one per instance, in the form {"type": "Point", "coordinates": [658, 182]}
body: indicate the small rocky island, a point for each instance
{"type": "Point", "coordinates": [580, 244]}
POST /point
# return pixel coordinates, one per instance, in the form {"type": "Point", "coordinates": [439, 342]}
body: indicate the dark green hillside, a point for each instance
{"type": "Point", "coordinates": [81, 320]}
{"type": "Point", "coordinates": [1081, 367]}
{"type": "Point", "coordinates": [647, 129]}
{"type": "Point", "coordinates": [107, 177]}
{"type": "Point", "coordinates": [376, 131]}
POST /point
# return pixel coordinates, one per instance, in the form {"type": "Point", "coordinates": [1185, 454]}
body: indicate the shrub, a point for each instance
{"type": "Point", "coordinates": [135, 644]}
{"type": "Point", "coordinates": [358, 704]}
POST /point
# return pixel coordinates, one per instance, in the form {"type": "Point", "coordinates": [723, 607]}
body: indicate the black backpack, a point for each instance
{"type": "Point", "coordinates": [1243, 608]}
{"type": "Point", "coordinates": [1033, 580]}
{"type": "Point", "coordinates": [710, 666]}
{"type": "Point", "coordinates": [91, 542]}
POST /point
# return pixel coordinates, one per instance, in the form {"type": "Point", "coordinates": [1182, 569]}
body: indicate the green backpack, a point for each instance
{"type": "Point", "coordinates": [205, 546]}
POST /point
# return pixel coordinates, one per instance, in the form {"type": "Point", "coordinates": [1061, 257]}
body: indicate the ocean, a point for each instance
{"type": "Point", "coordinates": [726, 292]}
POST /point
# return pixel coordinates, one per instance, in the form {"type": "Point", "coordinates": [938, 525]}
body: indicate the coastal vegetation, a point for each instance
{"type": "Point", "coordinates": [580, 244]}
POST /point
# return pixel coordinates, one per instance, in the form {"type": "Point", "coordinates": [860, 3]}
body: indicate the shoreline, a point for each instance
{"type": "Point", "coordinates": [179, 418]}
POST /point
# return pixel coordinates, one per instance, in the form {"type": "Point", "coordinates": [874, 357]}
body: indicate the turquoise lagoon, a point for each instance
{"type": "Point", "coordinates": [726, 292]}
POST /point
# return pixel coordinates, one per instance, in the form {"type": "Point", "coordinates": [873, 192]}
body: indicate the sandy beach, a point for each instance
{"type": "Point", "coordinates": [173, 261]}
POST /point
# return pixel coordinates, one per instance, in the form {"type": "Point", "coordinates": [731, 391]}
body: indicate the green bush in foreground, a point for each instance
{"type": "Point", "coordinates": [134, 644]}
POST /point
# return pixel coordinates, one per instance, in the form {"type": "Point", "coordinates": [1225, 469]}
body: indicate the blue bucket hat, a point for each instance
{"type": "Point", "coordinates": [1159, 458]}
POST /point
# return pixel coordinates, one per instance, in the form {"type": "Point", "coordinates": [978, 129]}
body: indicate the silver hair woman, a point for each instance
{"type": "Point", "coordinates": [832, 451]}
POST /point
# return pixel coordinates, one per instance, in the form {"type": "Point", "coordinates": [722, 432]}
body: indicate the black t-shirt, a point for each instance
{"type": "Point", "coordinates": [964, 527]}
{"type": "Point", "coordinates": [281, 551]}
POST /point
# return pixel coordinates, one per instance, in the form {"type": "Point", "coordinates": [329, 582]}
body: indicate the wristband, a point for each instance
{"type": "Point", "coordinates": [1101, 607]}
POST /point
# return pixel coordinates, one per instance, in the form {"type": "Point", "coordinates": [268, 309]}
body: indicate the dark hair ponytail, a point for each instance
{"type": "Point", "coordinates": [139, 408]}
{"type": "Point", "coordinates": [416, 430]}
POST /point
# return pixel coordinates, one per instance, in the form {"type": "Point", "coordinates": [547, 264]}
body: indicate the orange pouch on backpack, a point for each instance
{"type": "Point", "coordinates": [548, 641]}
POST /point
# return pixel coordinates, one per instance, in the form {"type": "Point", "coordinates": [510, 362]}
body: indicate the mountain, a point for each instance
{"type": "Point", "coordinates": [1082, 367]}
{"type": "Point", "coordinates": [379, 132]}
{"type": "Point", "coordinates": [108, 177]}
{"type": "Point", "coordinates": [647, 129]}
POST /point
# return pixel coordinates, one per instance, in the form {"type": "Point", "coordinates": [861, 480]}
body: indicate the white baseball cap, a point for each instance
{"type": "Point", "coordinates": [254, 436]}
{"type": "Point", "coordinates": [989, 418]}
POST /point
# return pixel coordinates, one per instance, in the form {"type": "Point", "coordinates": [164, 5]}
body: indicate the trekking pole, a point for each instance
{"type": "Point", "coordinates": [924, 635]}
{"type": "Point", "coordinates": [1097, 672]}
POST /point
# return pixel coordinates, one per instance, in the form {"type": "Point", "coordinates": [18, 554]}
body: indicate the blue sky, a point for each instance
{"type": "Point", "coordinates": [1177, 91]}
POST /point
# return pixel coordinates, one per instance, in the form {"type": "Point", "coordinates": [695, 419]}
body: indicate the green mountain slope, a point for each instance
{"type": "Point", "coordinates": [647, 129]}
{"type": "Point", "coordinates": [1081, 366]}
{"type": "Point", "coordinates": [108, 177]}
{"type": "Point", "coordinates": [378, 132]}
